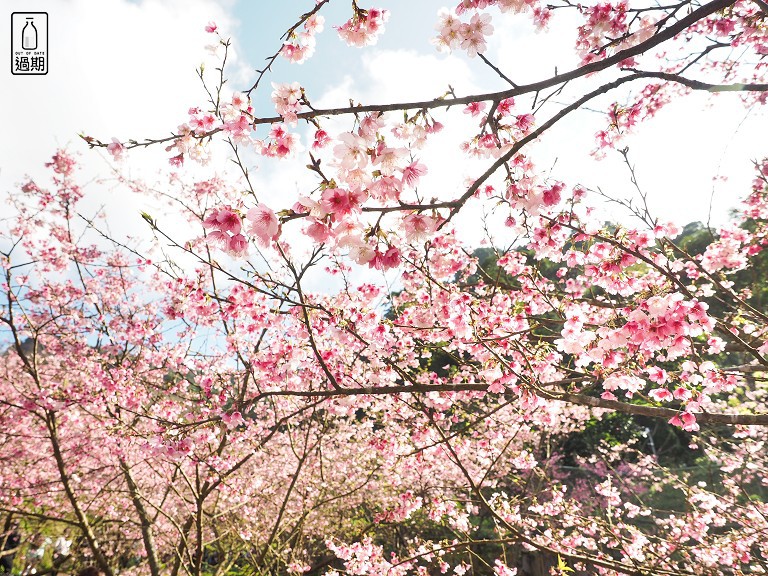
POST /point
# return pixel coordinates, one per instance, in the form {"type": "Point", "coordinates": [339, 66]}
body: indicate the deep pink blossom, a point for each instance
{"type": "Point", "coordinates": [224, 219]}
{"type": "Point", "coordinates": [474, 108]}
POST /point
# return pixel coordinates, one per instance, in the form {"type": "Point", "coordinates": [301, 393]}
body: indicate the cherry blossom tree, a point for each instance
{"type": "Point", "coordinates": [205, 412]}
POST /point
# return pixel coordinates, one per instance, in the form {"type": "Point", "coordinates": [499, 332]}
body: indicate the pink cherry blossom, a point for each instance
{"type": "Point", "coordinates": [116, 149]}
{"type": "Point", "coordinates": [660, 394]}
{"type": "Point", "coordinates": [287, 99]}
{"type": "Point", "coordinates": [413, 173]}
{"type": "Point", "coordinates": [240, 101]}
{"type": "Point", "coordinates": [321, 139]}
{"type": "Point", "coordinates": [224, 219]}
{"type": "Point", "coordinates": [318, 231]}
{"type": "Point", "coordinates": [336, 201]}
{"type": "Point", "coordinates": [551, 196]}
{"type": "Point", "coordinates": [474, 108]}
{"type": "Point", "coordinates": [300, 46]}
{"type": "Point", "coordinates": [351, 151]}
{"type": "Point", "coordinates": [364, 27]}
{"type": "Point", "coordinates": [419, 226]}
{"type": "Point", "coordinates": [237, 244]}
{"type": "Point", "coordinates": [264, 224]}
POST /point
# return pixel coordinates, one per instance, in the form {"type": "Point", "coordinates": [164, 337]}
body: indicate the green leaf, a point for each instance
{"type": "Point", "coordinates": [148, 219]}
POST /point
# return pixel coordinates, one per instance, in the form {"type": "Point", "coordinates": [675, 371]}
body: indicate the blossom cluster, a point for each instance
{"type": "Point", "coordinates": [225, 225]}
{"type": "Point", "coordinates": [470, 36]}
{"type": "Point", "coordinates": [288, 99]}
{"type": "Point", "coordinates": [300, 46]}
{"type": "Point", "coordinates": [364, 27]}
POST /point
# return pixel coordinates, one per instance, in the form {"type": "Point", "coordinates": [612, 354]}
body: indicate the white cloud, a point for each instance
{"type": "Point", "coordinates": [526, 55]}
{"type": "Point", "coordinates": [118, 68]}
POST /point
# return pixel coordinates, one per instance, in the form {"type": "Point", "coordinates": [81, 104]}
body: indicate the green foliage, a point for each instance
{"type": "Point", "coordinates": [669, 444]}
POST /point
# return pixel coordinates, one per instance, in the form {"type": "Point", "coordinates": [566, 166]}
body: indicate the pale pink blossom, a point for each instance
{"type": "Point", "coordinates": [501, 569]}
{"type": "Point", "coordinates": [232, 420]}
{"type": "Point", "coordinates": [364, 27]}
{"type": "Point", "coordinates": [351, 151]}
{"type": "Point", "coordinates": [413, 172]}
{"type": "Point", "coordinates": [318, 231]}
{"type": "Point", "coordinates": [240, 101]}
{"type": "Point", "coordinates": [386, 188]}
{"type": "Point", "coordinates": [386, 159]}
{"type": "Point", "coordinates": [287, 99]}
{"type": "Point", "coordinates": [370, 126]}
{"type": "Point", "coordinates": [263, 224]}
{"type": "Point", "coordinates": [314, 24]}
{"type": "Point", "coordinates": [419, 226]}
{"type": "Point", "coordinates": [116, 148]}
{"type": "Point", "coordinates": [306, 204]}
{"type": "Point", "coordinates": [361, 252]}
{"type": "Point", "coordinates": [238, 128]}
{"type": "Point", "coordinates": [448, 27]}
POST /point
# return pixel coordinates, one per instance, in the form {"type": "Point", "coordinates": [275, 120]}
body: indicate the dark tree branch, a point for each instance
{"type": "Point", "coordinates": [580, 399]}
{"type": "Point", "coordinates": [662, 36]}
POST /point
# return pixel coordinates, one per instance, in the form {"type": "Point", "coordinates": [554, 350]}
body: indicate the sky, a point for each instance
{"type": "Point", "coordinates": [126, 69]}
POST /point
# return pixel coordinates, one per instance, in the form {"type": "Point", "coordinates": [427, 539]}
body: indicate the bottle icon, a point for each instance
{"type": "Point", "coordinates": [29, 35]}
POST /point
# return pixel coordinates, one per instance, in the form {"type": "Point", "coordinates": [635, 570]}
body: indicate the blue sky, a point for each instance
{"type": "Point", "coordinates": [411, 25]}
